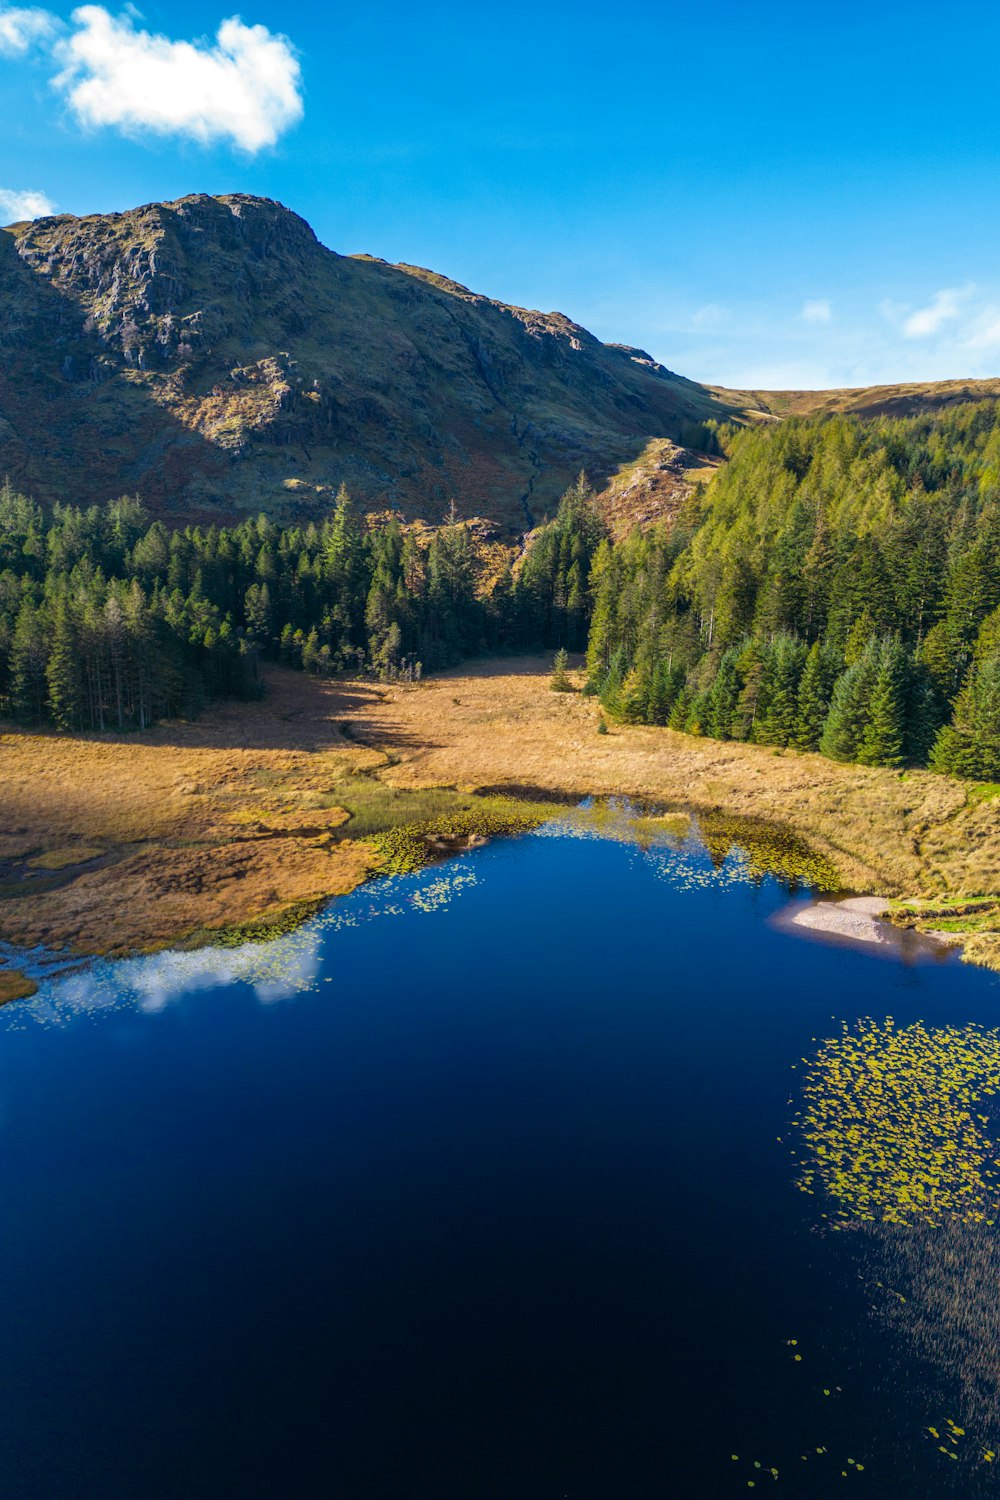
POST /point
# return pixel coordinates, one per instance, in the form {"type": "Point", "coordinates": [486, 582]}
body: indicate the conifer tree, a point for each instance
{"type": "Point", "coordinates": [884, 737]}
{"type": "Point", "coordinates": [699, 713]}
{"type": "Point", "coordinates": [666, 684]}
{"type": "Point", "coordinates": [681, 710]}
{"type": "Point", "coordinates": [560, 682]}
{"type": "Point", "coordinates": [925, 713]}
{"type": "Point", "coordinates": [970, 745]}
{"type": "Point", "coordinates": [813, 703]}
{"type": "Point", "coordinates": [988, 639]}
{"type": "Point", "coordinates": [784, 665]}
{"type": "Point", "coordinates": [62, 672]}
{"type": "Point", "coordinates": [724, 696]}
{"type": "Point", "coordinates": [752, 665]}
{"type": "Point", "coordinates": [602, 589]}
{"type": "Point", "coordinates": [848, 717]}
{"type": "Point", "coordinates": [29, 655]}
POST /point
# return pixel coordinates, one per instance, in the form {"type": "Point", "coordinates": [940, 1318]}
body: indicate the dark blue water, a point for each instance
{"type": "Point", "coordinates": [479, 1198]}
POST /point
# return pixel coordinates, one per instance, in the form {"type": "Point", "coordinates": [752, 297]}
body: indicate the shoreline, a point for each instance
{"type": "Point", "coordinates": [863, 922]}
{"type": "Point", "coordinates": [197, 831]}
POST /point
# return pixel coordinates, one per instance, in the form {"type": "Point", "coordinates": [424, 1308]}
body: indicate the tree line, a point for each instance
{"type": "Point", "coordinates": [835, 588]}
{"type": "Point", "coordinates": [111, 620]}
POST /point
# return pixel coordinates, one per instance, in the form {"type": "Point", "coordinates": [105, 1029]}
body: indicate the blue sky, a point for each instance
{"type": "Point", "coordinates": [760, 196]}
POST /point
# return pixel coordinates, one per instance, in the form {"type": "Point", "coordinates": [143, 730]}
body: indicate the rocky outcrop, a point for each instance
{"type": "Point", "coordinates": [212, 355]}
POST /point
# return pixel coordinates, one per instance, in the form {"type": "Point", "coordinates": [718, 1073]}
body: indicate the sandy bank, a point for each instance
{"type": "Point", "coordinates": [859, 921]}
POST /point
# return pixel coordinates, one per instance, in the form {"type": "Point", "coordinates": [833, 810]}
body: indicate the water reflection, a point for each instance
{"type": "Point", "coordinates": [514, 1162]}
{"type": "Point", "coordinates": [690, 853]}
{"type": "Point", "coordinates": [274, 970]}
{"type": "Point", "coordinates": [936, 1290]}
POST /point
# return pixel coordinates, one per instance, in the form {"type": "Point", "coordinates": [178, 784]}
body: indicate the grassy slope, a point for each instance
{"type": "Point", "coordinates": [906, 399]}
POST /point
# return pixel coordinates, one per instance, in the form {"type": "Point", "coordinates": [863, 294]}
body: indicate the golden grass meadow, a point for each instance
{"type": "Point", "coordinates": [254, 813]}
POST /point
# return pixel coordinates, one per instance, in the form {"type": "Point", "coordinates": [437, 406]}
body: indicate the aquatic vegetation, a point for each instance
{"type": "Point", "coordinates": [263, 929]}
{"type": "Point", "coordinates": [895, 1128]}
{"type": "Point", "coordinates": [949, 1318]}
{"type": "Point", "coordinates": [769, 849]}
{"type": "Point", "coordinates": [410, 846]}
{"type": "Point", "coordinates": [759, 1468]}
{"type": "Point", "coordinates": [741, 851]}
{"type": "Point", "coordinates": [890, 1126]}
{"type": "Point", "coordinates": [375, 807]}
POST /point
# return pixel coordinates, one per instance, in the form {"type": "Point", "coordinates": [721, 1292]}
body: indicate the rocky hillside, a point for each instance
{"type": "Point", "coordinates": [212, 356]}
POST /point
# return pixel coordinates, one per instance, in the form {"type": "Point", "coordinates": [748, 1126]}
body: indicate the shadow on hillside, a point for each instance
{"type": "Point", "coordinates": [61, 378]}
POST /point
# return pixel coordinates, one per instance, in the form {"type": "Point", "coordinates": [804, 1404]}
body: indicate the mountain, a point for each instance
{"type": "Point", "coordinates": [212, 356]}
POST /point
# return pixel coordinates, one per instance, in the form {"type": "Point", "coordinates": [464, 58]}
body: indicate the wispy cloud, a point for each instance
{"type": "Point", "coordinates": [944, 307]}
{"type": "Point", "coordinates": [23, 28]}
{"type": "Point", "coordinates": [817, 311]}
{"type": "Point", "coordinates": [28, 204]}
{"type": "Point", "coordinates": [245, 86]}
{"type": "Point", "coordinates": [818, 344]}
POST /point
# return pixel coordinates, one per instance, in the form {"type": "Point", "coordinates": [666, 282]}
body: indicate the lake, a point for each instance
{"type": "Point", "coordinates": [478, 1187]}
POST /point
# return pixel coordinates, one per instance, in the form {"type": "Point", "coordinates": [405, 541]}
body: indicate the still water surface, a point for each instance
{"type": "Point", "coordinates": [470, 1190]}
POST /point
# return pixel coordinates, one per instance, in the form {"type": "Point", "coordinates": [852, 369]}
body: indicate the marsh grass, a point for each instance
{"type": "Point", "coordinates": [15, 986]}
{"type": "Point", "coordinates": [261, 929]}
{"type": "Point", "coordinates": [409, 846]}
{"type": "Point", "coordinates": [66, 858]}
{"type": "Point", "coordinates": [375, 807]}
{"type": "Point", "coordinates": [983, 791]}
{"type": "Point", "coordinates": [975, 920]}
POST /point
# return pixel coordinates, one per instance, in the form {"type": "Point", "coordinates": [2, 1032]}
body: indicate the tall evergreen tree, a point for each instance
{"type": "Point", "coordinates": [29, 657]}
{"type": "Point", "coordinates": [62, 671]}
{"type": "Point", "coordinates": [813, 703]}
{"type": "Point", "coordinates": [970, 745]}
{"type": "Point", "coordinates": [884, 737]}
{"type": "Point", "coordinates": [849, 706]}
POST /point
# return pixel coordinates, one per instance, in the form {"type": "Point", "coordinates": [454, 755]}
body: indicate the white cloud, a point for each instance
{"type": "Point", "coordinates": [15, 206]}
{"type": "Point", "coordinates": [245, 87]}
{"type": "Point", "coordinates": [943, 308]}
{"type": "Point", "coordinates": [21, 29]}
{"type": "Point", "coordinates": [818, 311]}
